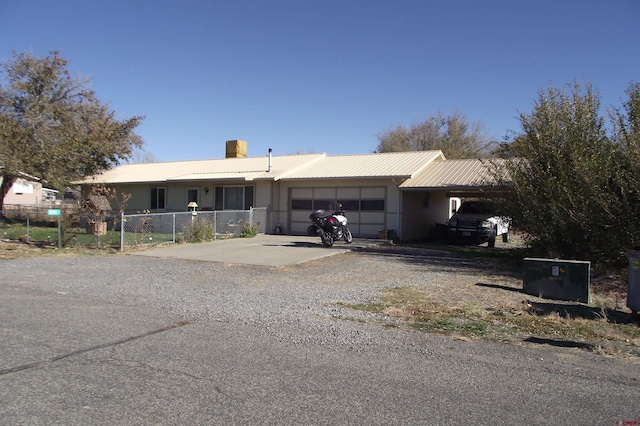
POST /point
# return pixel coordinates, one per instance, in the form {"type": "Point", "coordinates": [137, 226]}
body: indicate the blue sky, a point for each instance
{"type": "Point", "coordinates": [328, 76]}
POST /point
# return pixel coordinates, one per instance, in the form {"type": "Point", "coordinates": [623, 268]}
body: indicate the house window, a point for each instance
{"type": "Point", "coordinates": [158, 198]}
{"type": "Point", "coordinates": [347, 204]}
{"type": "Point", "coordinates": [324, 204]}
{"type": "Point", "coordinates": [233, 197]}
{"type": "Point", "coordinates": [301, 204]}
{"type": "Point", "coordinates": [372, 205]}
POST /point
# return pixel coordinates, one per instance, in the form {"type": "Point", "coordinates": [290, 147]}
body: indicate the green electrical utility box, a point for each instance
{"type": "Point", "coordinates": [558, 279]}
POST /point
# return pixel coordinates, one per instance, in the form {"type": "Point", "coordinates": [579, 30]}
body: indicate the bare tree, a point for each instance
{"type": "Point", "coordinates": [142, 156]}
{"type": "Point", "coordinates": [452, 134]}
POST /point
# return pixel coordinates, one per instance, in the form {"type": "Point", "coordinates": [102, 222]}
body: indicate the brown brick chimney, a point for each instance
{"type": "Point", "coordinates": [236, 149]}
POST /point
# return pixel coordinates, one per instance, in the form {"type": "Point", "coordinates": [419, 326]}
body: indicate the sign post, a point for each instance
{"type": "Point", "coordinates": [56, 212]}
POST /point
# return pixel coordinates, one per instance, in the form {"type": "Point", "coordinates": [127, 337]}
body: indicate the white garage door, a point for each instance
{"type": "Point", "coordinates": [365, 207]}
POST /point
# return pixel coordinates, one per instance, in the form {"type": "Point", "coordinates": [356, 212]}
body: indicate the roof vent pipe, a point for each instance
{"type": "Point", "coordinates": [269, 169]}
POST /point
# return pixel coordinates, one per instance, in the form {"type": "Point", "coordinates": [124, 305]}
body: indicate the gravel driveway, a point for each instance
{"type": "Point", "coordinates": [304, 296]}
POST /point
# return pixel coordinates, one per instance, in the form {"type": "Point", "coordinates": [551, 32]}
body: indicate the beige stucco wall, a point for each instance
{"type": "Point", "coordinates": [177, 197]}
{"type": "Point", "coordinates": [176, 194]}
{"type": "Point", "coordinates": [263, 194]}
{"type": "Point", "coordinates": [138, 202]}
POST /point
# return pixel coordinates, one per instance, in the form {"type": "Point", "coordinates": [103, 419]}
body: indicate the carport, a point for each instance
{"type": "Point", "coordinates": [429, 198]}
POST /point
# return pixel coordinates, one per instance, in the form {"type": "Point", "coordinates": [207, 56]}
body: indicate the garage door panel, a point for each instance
{"type": "Point", "coordinates": [352, 217]}
{"type": "Point", "coordinates": [368, 217]}
{"type": "Point", "coordinates": [369, 230]}
{"type": "Point", "coordinates": [298, 228]}
{"type": "Point", "coordinates": [348, 193]}
{"type": "Point", "coordinates": [301, 193]}
{"type": "Point", "coordinates": [300, 216]}
{"type": "Point", "coordinates": [362, 223]}
{"type": "Point", "coordinates": [329, 193]}
{"type": "Point", "coordinates": [376, 192]}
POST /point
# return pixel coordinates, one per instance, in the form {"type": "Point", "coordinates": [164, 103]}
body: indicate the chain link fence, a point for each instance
{"type": "Point", "coordinates": [156, 228]}
{"type": "Point", "coordinates": [71, 229]}
{"type": "Point", "coordinates": [67, 228]}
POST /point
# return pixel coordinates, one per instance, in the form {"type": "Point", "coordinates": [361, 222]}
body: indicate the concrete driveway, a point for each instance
{"type": "Point", "coordinates": [266, 250]}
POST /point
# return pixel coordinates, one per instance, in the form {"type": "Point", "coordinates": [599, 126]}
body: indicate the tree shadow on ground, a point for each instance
{"type": "Point", "coordinates": [577, 310]}
{"type": "Point", "coordinates": [470, 259]}
{"type": "Point", "coordinates": [570, 310]}
{"type": "Point", "coordinates": [559, 343]}
{"type": "Point", "coordinates": [501, 287]}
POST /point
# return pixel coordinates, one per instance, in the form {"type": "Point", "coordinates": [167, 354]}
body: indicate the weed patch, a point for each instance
{"type": "Point", "coordinates": [417, 310]}
{"type": "Point", "coordinates": [198, 232]}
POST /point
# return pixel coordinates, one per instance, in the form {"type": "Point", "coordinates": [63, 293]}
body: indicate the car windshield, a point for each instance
{"type": "Point", "coordinates": [478, 207]}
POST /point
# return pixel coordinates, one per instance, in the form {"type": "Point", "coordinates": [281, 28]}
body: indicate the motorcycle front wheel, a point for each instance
{"type": "Point", "coordinates": [346, 234]}
{"type": "Point", "coordinates": [327, 238]}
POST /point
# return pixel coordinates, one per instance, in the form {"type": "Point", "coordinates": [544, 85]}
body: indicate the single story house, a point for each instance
{"type": "Point", "coordinates": [407, 192]}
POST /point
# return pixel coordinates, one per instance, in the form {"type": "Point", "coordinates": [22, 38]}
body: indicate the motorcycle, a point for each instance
{"type": "Point", "coordinates": [330, 226]}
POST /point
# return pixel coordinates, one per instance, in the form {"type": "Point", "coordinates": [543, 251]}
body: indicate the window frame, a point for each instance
{"type": "Point", "coordinates": [220, 196]}
{"type": "Point", "coordinates": [157, 201]}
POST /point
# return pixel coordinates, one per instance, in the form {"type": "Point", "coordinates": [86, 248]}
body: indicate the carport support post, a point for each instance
{"type": "Point", "coordinates": [174, 228]}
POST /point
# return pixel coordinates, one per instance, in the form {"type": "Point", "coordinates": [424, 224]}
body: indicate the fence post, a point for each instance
{"type": "Point", "coordinates": [27, 227]}
{"type": "Point", "coordinates": [251, 215]}
{"type": "Point", "coordinates": [174, 228]}
{"type": "Point", "coordinates": [215, 225]}
{"type": "Point", "coordinates": [99, 229]}
{"type": "Point", "coordinates": [122, 231]}
{"type": "Point", "coordinates": [60, 233]}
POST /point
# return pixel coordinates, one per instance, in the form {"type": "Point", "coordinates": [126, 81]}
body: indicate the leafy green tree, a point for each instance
{"type": "Point", "coordinates": [626, 133]}
{"type": "Point", "coordinates": [453, 134]}
{"type": "Point", "coordinates": [570, 186]}
{"type": "Point", "coordinates": [53, 127]}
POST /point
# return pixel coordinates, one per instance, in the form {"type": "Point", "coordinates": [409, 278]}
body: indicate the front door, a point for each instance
{"type": "Point", "coordinates": [193, 195]}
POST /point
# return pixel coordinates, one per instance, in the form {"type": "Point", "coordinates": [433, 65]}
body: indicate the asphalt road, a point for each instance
{"type": "Point", "coordinates": [143, 340]}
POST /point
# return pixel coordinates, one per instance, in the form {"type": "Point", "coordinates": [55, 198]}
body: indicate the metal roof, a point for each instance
{"type": "Point", "coordinates": [248, 168]}
{"type": "Point", "coordinates": [216, 176]}
{"type": "Point", "coordinates": [417, 169]}
{"type": "Point", "coordinates": [385, 165]}
{"type": "Point", "coordinates": [452, 174]}
{"type": "Point", "coordinates": [307, 166]}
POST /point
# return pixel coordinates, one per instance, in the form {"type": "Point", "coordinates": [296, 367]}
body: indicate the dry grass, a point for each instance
{"type": "Point", "coordinates": [17, 249]}
{"type": "Point", "coordinates": [488, 302]}
{"type": "Point", "coordinates": [586, 327]}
